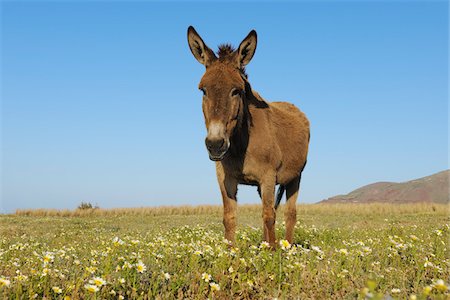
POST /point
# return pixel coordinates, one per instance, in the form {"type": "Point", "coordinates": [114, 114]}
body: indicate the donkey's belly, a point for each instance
{"type": "Point", "coordinates": [285, 176]}
{"type": "Point", "coordinates": [247, 181]}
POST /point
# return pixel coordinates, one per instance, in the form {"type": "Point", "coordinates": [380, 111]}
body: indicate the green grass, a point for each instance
{"type": "Point", "coordinates": [340, 251]}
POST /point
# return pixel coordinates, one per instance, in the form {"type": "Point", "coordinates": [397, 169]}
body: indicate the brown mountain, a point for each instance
{"type": "Point", "coordinates": [433, 188]}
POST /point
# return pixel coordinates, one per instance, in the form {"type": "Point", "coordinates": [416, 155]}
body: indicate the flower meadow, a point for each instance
{"type": "Point", "coordinates": [339, 253]}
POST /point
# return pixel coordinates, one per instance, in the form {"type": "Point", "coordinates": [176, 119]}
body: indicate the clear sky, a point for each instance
{"type": "Point", "coordinates": [100, 99]}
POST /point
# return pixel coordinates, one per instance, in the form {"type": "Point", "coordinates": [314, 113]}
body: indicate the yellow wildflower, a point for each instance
{"type": "Point", "coordinates": [117, 241]}
{"type": "Point", "coordinates": [214, 286]}
{"type": "Point", "coordinates": [427, 290]}
{"type": "Point", "coordinates": [285, 244]}
{"type": "Point", "coordinates": [206, 277]}
{"type": "Point", "coordinates": [48, 257]}
{"type": "Point", "coordinates": [343, 251]}
{"type": "Point", "coordinates": [140, 267]}
{"type": "Point", "coordinates": [264, 245]}
{"type": "Point", "coordinates": [91, 288]}
{"type": "Point", "coordinates": [4, 282]}
{"type": "Point", "coordinates": [440, 285]}
{"type": "Point", "coordinates": [98, 281]}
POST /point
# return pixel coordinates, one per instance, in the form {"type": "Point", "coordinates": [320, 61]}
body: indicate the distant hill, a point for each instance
{"type": "Point", "coordinates": [432, 189]}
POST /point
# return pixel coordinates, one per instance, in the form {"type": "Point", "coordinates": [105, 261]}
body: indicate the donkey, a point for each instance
{"type": "Point", "coordinates": [252, 141]}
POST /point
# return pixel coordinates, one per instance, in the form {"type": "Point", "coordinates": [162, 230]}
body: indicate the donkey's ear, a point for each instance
{"type": "Point", "coordinates": [247, 49]}
{"type": "Point", "coordinates": [201, 52]}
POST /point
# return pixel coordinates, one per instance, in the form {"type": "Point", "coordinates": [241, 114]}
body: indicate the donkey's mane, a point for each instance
{"type": "Point", "coordinates": [224, 53]}
{"type": "Point", "coordinates": [225, 50]}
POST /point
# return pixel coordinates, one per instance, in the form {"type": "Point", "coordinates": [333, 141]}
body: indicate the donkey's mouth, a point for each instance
{"type": "Point", "coordinates": [215, 157]}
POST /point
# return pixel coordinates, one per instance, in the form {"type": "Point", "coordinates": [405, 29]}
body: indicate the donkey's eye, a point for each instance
{"type": "Point", "coordinates": [235, 92]}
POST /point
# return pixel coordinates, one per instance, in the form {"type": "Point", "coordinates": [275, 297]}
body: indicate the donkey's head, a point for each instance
{"type": "Point", "coordinates": [223, 87]}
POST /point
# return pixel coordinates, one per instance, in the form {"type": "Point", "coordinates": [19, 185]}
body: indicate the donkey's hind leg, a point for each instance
{"type": "Point", "coordinates": [290, 213]}
{"type": "Point", "coordinates": [267, 187]}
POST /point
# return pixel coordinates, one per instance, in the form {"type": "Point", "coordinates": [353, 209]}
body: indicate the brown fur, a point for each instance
{"type": "Point", "coordinates": [254, 142]}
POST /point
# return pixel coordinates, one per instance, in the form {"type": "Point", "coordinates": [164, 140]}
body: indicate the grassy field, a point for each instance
{"type": "Point", "coordinates": [375, 251]}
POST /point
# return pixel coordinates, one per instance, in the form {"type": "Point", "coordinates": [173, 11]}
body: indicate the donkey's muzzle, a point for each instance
{"type": "Point", "coordinates": [216, 148]}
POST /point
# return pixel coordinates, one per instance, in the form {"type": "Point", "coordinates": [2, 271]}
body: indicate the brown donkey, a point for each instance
{"type": "Point", "coordinates": [252, 141]}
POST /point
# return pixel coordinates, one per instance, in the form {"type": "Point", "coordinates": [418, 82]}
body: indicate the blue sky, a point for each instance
{"type": "Point", "coordinates": [100, 99]}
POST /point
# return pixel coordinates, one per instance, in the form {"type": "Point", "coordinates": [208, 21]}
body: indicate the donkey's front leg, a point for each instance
{"type": "Point", "coordinates": [267, 188]}
{"type": "Point", "coordinates": [228, 189]}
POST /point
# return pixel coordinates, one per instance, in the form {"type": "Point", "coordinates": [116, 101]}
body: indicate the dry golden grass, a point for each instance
{"type": "Point", "coordinates": [378, 208]}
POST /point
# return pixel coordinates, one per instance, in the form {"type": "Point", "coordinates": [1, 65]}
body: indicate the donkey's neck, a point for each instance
{"type": "Point", "coordinates": [240, 136]}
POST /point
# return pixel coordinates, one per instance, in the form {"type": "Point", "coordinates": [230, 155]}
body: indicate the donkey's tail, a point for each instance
{"type": "Point", "coordinates": [280, 193]}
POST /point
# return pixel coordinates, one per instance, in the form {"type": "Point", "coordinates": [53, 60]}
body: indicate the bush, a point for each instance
{"type": "Point", "coordinates": [87, 205]}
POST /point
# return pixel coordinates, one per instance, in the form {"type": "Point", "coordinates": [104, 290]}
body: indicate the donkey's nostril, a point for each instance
{"type": "Point", "coordinates": [214, 144]}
